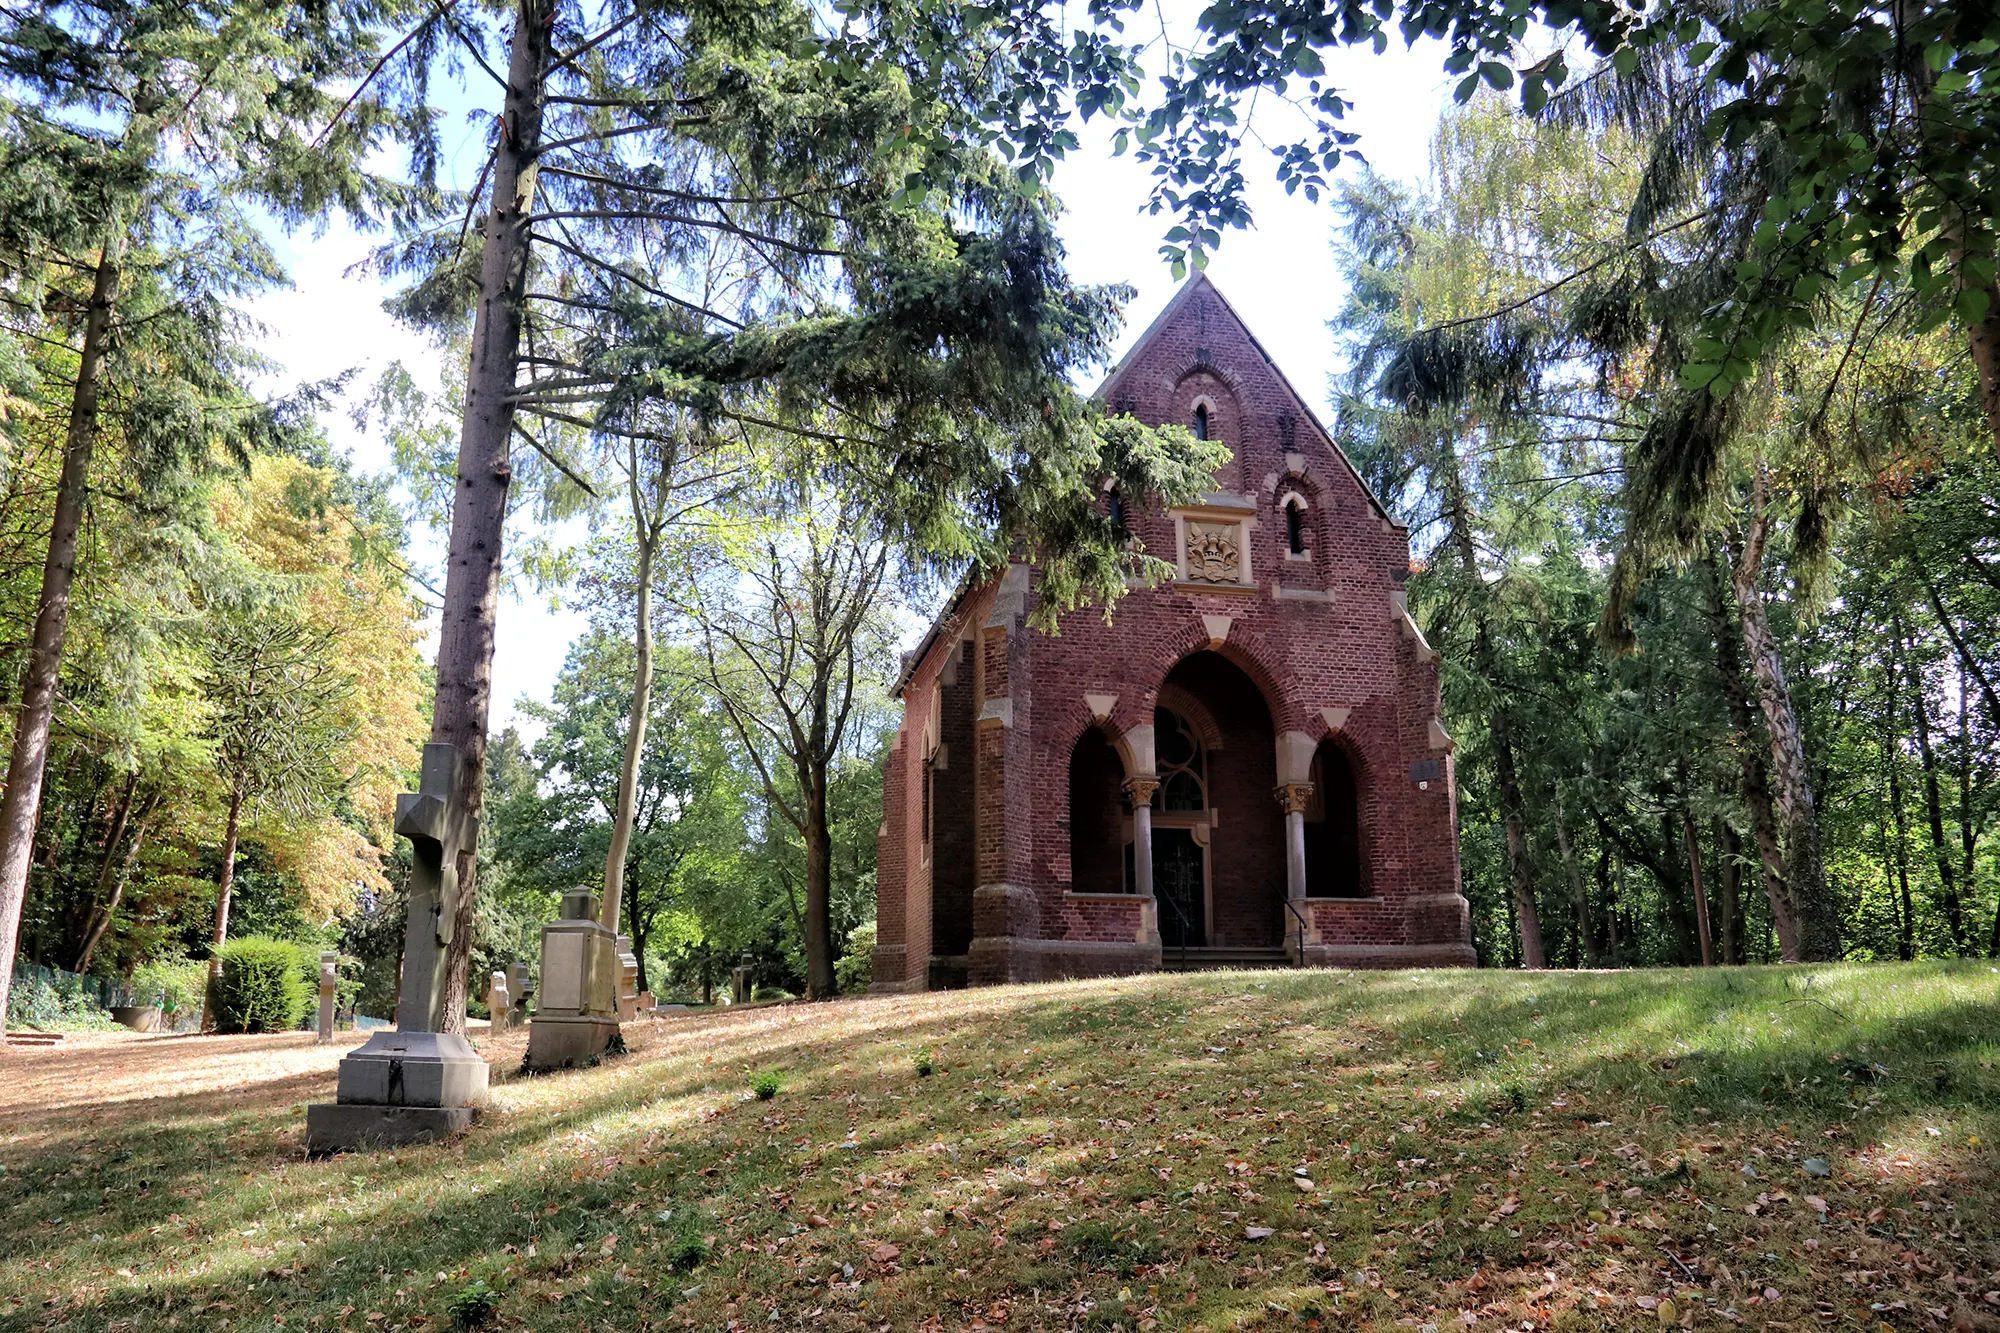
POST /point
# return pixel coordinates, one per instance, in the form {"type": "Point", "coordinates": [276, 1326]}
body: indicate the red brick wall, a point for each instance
{"type": "Point", "coordinates": [1292, 658]}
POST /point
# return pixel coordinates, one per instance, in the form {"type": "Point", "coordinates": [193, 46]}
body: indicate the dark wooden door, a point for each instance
{"type": "Point", "coordinates": [1180, 884]}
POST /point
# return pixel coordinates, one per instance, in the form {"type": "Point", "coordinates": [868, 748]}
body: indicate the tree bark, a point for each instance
{"type": "Point", "coordinates": [1906, 942]}
{"type": "Point", "coordinates": [20, 806]}
{"type": "Point", "coordinates": [1968, 827]}
{"type": "Point", "coordinates": [1579, 895]}
{"type": "Point", "coordinates": [1985, 339]}
{"type": "Point", "coordinates": [819, 889]}
{"type": "Point", "coordinates": [1805, 885]}
{"type": "Point", "coordinates": [1527, 920]}
{"type": "Point", "coordinates": [622, 815]}
{"type": "Point", "coordinates": [1756, 778]}
{"type": "Point", "coordinates": [1954, 912]}
{"type": "Point", "coordinates": [1693, 841]}
{"type": "Point", "coordinates": [1731, 845]}
{"type": "Point", "coordinates": [224, 888]}
{"type": "Point", "coordinates": [485, 469]}
{"type": "Point", "coordinates": [109, 907]}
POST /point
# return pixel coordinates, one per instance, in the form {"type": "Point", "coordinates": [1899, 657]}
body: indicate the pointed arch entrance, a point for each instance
{"type": "Point", "coordinates": [1334, 866]}
{"type": "Point", "coordinates": [1217, 836]}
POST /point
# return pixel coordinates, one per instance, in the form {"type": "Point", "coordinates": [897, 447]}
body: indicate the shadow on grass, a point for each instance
{"type": "Point", "coordinates": [567, 1160]}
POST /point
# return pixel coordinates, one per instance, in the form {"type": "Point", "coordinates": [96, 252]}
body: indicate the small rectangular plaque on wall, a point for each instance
{"type": "Point", "coordinates": [1427, 770]}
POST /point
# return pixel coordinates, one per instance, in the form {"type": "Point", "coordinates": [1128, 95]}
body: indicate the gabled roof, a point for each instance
{"type": "Point", "coordinates": [1201, 282]}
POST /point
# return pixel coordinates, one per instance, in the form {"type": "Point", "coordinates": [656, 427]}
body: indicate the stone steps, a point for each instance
{"type": "Point", "coordinates": [1223, 956]}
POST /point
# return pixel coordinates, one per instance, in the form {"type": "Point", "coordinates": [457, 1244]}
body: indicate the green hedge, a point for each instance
{"type": "Point", "coordinates": [856, 968]}
{"type": "Point", "coordinates": [266, 985]}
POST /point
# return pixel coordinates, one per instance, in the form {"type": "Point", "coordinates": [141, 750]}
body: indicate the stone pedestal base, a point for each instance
{"type": "Point", "coordinates": [556, 1042]}
{"type": "Point", "coordinates": [336, 1127]}
{"type": "Point", "coordinates": [397, 1088]}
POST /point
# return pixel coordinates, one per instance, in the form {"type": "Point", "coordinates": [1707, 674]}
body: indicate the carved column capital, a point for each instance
{"type": "Point", "coordinates": [1141, 788]}
{"type": "Point", "coordinates": [1293, 797]}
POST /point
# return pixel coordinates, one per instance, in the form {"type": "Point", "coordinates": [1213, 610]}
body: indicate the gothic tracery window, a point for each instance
{"type": "Point", "coordinates": [1177, 752]}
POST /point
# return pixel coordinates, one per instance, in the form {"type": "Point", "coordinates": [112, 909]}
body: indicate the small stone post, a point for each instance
{"type": "Point", "coordinates": [329, 987]}
{"type": "Point", "coordinates": [498, 1001]}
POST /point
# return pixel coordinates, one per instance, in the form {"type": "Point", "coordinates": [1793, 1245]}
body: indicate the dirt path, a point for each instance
{"type": "Point", "coordinates": [115, 1079]}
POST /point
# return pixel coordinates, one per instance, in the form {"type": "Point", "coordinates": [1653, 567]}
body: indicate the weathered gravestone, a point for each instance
{"type": "Point", "coordinates": [418, 1082]}
{"type": "Point", "coordinates": [498, 1000]}
{"type": "Point", "coordinates": [576, 1009]}
{"type": "Point", "coordinates": [519, 988]}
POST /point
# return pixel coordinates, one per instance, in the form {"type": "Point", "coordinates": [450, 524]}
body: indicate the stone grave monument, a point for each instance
{"type": "Point", "coordinates": [498, 1001]}
{"type": "Point", "coordinates": [519, 988]}
{"type": "Point", "coordinates": [577, 1007]}
{"type": "Point", "coordinates": [628, 981]}
{"type": "Point", "coordinates": [418, 1082]}
{"type": "Point", "coordinates": [329, 988]}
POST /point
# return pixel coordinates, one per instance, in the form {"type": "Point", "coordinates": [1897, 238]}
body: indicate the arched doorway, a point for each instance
{"type": "Point", "coordinates": [1097, 816]}
{"type": "Point", "coordinates": [1218, 837]}
{"type": "Point", "coordinates": [1333, 827]}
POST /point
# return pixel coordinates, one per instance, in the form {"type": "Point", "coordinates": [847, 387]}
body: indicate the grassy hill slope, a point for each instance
{"type": "Point", "coordinates": [1804, 1148]}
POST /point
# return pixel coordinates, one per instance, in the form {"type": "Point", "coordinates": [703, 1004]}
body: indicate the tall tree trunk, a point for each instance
{"type": "Point", "coordinates": [635, 725]}
{"type": "Point", "coordinates": [1693, 841]}
{"type": "Point", "coordinates": [1756, 778]}
{"type": "Point", "coordinates": [107, 862]}
{"type": "Point", "coordinates": [485, 468]}
{"type": "Point", "coordinates": [1967, 659]}
{"type": "Point", "coordinates": [108, 907]}
{"type": "Point", "coordinates": [819, 889]}
{"type": "Point", "coordinates": [224, 888]}
{"type": "Point", "coordinates": [1968, 828]}
{"type": "Point", "coordinates": [20, 806]}
{"type": "Point", "coordinates": [1985, 339]}
{"type": "Point", "coordinates": [1527, 920]}
{"type": "Point", "coordinates": [1906, 943]}
{"type": "Point", "coordinates": [1954, 912]}
{"type": "Point", "coordinates": [1673, 889]}
{"type": "Point", "coordinates": [1579, 895]}
{"type": "Point", "coordinates": [1731, 845]}
{"type": "Point", "coordinates": [1811, 903]}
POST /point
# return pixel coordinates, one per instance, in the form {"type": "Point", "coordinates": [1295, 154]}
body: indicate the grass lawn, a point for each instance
{"type": "Point", "coordinates": [1803, 1149]}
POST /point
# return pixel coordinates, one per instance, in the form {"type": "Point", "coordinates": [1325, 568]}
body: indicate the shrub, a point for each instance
{"type": "Point", "coordinates": [62, 1006]}
{"type": "Point", "coordinates": [765, 1085]}
{"type": "Point", "coordinates": [855, 968]}
{"type": "Point", "coordinates": [926, 1062]}
{"type": "Point", "coordinates": [263, 986]}
{"type": "Point", "coordinates": [174, 984]}
{"type": "Point", "coordinates": [687, 1253]}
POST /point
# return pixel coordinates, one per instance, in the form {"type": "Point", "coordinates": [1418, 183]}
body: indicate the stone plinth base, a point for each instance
{"type": "Point", "coordinates": [556, 1042]}
{"type": "Point", "coordinates": [413, 1069]}
{"type": "Point", "coordinates": [998, 960]}
{"type": "Point", "coordinates": [338, 1127]}
{"type": "Point", "coordinates": [1385, 956]}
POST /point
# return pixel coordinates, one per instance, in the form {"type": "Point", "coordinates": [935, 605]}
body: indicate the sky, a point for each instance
{"type": "Point", "coordinates": [1279, 275]}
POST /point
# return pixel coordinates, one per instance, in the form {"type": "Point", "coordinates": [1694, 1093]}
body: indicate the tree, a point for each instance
{"type": "Point", "coordinates": [917, 292]}
{"type": "Point", "coordinates": [143, 137]}
{"type": "Point", "coordinates": [794, 631]}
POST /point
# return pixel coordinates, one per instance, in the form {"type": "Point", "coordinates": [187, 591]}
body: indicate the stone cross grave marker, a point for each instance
{"type": "Point", "coordinates": [419, 1082]}
{"type": "Point", "coordinates": [432, 819]}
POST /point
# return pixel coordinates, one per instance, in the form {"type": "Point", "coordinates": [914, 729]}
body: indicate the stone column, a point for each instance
{"type": "Point", "coordinates": [329, 988]}
{"type": "Point", "coordinates": [1140, 789]}
{"type": "Point", "coordinates": [1293, 797]}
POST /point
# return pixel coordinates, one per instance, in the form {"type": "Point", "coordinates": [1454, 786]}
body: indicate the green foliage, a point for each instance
{"type": "Point", "coordinates": [765, 1083]}
{"type": "Point", "coordinates": [474, 1305]}
{"type": "Point", "coordinates": [926, 1062]}
{"type": "Point", "coordinates": [58, 1006]}
{"type": "Point", "coordinates": [266, 985]}
{"type": "Point", "coordinates": [856, 967]}
{"type": "Point", "coordinates": [175, 984]}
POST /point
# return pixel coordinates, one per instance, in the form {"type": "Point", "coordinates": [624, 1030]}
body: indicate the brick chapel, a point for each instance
{"type": "Point", "coordinates": [1244, 766]}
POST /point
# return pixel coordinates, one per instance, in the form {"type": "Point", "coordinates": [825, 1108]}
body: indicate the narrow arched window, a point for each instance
{"type": "Point", "coordinates": [1295, 528]}
{"type": "Point", "coordinates": [1114, 508]}
{"type": "Point", "coordinates": [1201, 421]}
